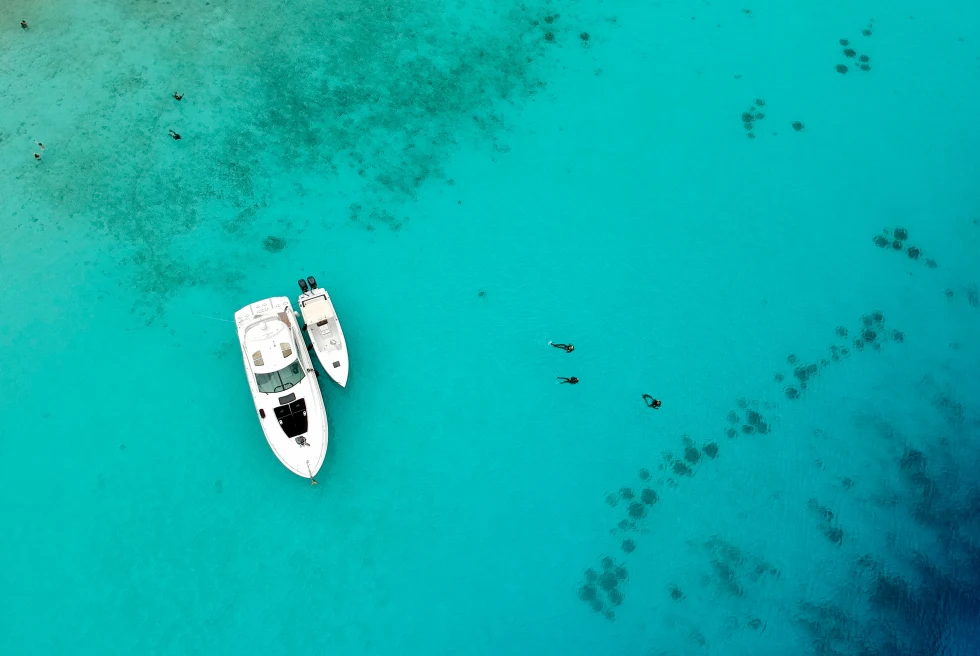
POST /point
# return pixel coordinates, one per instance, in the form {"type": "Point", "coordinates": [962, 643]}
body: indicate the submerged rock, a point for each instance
{"type": "Point", "coordinates": [273, 244]}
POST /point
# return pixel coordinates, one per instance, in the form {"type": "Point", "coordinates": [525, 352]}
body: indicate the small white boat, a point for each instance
{"type": "Point", "coordinates": [323, 327]}
{"type": "Point", "coordinates": [284, 385]}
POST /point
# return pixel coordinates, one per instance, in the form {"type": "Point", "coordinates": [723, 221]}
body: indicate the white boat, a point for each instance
{"type": "Point", "coordinates": [323, 327]}
{"type": "Point", "coordinates": [284, 385]}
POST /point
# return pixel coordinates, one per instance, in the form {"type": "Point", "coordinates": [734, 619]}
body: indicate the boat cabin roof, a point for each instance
{"type": "Point", "coordinates": [317, 310]}
{"type": "Point", "coordinates": [269, 344]}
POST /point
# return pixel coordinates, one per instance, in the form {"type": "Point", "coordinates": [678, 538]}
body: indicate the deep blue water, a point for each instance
{"type": "Point", "coordinates": [691, 193]}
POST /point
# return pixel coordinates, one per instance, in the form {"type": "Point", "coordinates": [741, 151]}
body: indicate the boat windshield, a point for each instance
{"type": "Point", "coordinates": [281, 380]}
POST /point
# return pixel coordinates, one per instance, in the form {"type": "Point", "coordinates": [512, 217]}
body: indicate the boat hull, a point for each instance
{"type": "Point", "coordinates": [326, 334]}
{"type": "Point", "coordinates": [293, 418]}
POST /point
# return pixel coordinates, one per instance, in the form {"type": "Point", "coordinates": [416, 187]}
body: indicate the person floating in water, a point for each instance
{"type": "Point", "coordinates": [568, 348]}
{"type": "Point", "coordinates": [178, 96]}
{"type": "Point", "coordinates": [23, 25]}
{"type": "Point", "coordinates": [175, 135]}
{"type": "Point", "coordinates": [37, 157]}
{"type": "Point", "coordinates": [651, 402]}
{"type": "Point", "coordinates": [571, 381]}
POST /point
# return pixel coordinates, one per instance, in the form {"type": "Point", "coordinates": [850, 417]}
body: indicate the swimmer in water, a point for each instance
{"type": "Point", "coordinates": [571, 381]}
{"type": "Point", "coordinates": [651, 402]}
{"type": "Point", "coordinates": [23, 25]}
{"type": "Point", "coordinates": [174, 135]}
{"type": "Point", "coordinates": [37, 157]}
{"type": "Point", "coordinates": [568, 348]}
{"type": "Point", "coordinates": [39, 144]}
{"type": "Point", "coordinates": [178, 96]}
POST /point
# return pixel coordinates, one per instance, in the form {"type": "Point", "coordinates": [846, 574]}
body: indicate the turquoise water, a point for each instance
{"type": "Point", "coordinates": [468, 188]}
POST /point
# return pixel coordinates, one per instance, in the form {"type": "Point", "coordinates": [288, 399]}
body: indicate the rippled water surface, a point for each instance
{"type": "Point", "coordinates": [764, 216]}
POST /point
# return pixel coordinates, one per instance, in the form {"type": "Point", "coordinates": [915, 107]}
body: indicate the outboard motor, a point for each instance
{"type": "Point", "coordinates": [312, 281]}
{"type": "Point", "coordinates": [302, 286]}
